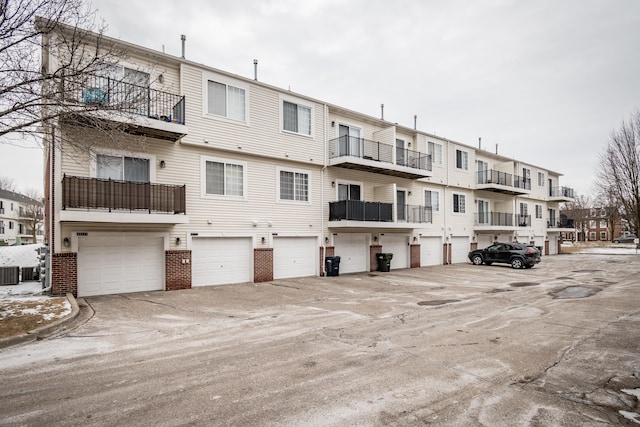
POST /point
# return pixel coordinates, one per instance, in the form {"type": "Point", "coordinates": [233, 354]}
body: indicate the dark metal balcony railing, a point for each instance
{"type": "Point", "coordinates": [524, 183]}
{"type": "Point", "coordinates": [95, 193]}
{"type": "Point", "coordinates": [561, 192]}
{"type": "Point", "coordinates": [561, 223]}
{"type": "Point", "coordinates": [376, 151]}
{"type": "Point", "coordinates": [495, 177]}
{"type": "Point", "coordinates": [504, 219]}
{"type": "Point", "coordinates": [356, 210]}
{"type": "Point", "coordinates": [523, 220]}
{"type": "Point", "coordinates": [116, 95]}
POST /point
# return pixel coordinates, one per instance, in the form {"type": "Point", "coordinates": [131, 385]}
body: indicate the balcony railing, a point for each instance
{"type": "Point", "coordinates": [523, 220]}
{"type": "Point", "coordinates": [523, 183]}
{"type": "Point", "coordinates": [495, 177]}
{"type": "Point", "coordinates": [415, 213]}
{"type": "Point", "coordinates": [503, 219]}
{"type": "Point", "coordinates": [356, 210]}
{"type": "Point", "coordinates": [377, 151]}
{"type": "Point", "coordinates": [110, 195]}
{"type": "Point", "coordinates": [105, 93]}
{"type": "Point", "coordinates": [565, 192]}
{"type": "Point", "coordinates": [560, 223]}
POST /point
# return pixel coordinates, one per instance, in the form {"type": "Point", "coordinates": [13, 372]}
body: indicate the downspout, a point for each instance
{"type": "Point", "coordinates": [444, 209]}
{"type": "Point", "coordinates": [322, 179]}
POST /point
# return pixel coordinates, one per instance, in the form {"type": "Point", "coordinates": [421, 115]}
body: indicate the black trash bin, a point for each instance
{"type": "Point", "coordinates": [332, 265]}
{"type": "Point", "coordinates": [384, 261]}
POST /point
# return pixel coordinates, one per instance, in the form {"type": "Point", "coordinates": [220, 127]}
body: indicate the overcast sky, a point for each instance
{"type": "Point", "coordinates": [545, 81]}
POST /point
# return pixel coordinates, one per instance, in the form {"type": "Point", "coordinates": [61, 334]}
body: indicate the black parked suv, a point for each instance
{"type": "Point", "coordinates": [516, 254]}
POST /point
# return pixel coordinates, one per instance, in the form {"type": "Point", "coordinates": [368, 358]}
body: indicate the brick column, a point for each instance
{"type": "Point", "coordinates": [330, 250]}
{"type": "Point", "coordinates": [262, 265]}
{"type": "Point", "coordinates": [474, 246]}
{"type": "Point", "coordinates": [373, 261]}
{"type": "Point", "coordinates": [64, 273]}
{"type": "Point", "coordinates": [446, 253]}
{"type": "Point", "coordinates": [415, 256]}
{"type": "Point", "coordinates": [177, 267]}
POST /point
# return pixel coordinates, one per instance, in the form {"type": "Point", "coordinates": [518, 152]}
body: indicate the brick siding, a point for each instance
{"type": "Point", "coordinates": [373, 261]}
{"type": "Point", "coordinates": [64, 273]}
{"type": "Point", "coordinates": [177, 270]}
{"type": "Point", "coordinates": [262, 265]}
{"type": "Point", "coordinates": [415, 256]}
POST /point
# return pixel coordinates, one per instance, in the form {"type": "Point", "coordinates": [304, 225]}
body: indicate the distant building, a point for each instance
{"type": "Point", "coordinates": [592, 225]}
{"type": "Point", "coordinates": [15, 225]}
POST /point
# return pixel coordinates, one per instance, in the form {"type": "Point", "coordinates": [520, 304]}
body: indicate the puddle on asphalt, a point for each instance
{"type": "Point", "coordinates": [586, 271]}
{"type": "Point", "coordinates": [571, 292]}
{"type": "Point", "coordinates": [438, 302]}
{"type": "Point", "coordinates": [523, 284]}
{"type": "Point", "coordinates": [498, 290]}
{"type": "Point", "coordinates": [564, 278]}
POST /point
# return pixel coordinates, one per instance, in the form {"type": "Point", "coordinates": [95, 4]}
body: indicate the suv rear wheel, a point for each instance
{"type": "Point", "coordinates": [517, 263]}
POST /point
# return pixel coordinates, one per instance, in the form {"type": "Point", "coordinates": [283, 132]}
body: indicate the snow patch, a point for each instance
{"type": "Point", "coordinates": [632, 416]}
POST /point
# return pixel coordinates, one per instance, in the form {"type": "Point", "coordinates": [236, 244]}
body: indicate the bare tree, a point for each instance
{"type": "Point", "coordinates": [612, 215]}
{"type": "Point", "coordinates": [578, 211]}
{"type": "Point", "coordinates": [8, 184]}
{"type": "Point", "coordinates": [56, 66]}
{"type": "Point", "coordinates": [618, 172]}
{"type": "Point", "coordinates": [32, 213]}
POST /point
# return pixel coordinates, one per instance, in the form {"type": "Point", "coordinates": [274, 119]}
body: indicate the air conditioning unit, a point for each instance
{"type": "Point", "coordinates": [9, 275]}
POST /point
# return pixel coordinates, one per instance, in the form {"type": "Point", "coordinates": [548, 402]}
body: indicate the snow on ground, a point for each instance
{"type": "Point", "coordinates": [21, 256]}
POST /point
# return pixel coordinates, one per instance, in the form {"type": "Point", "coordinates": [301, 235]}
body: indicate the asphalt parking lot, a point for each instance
{"type": "Point", "coordinates": [450, 345]}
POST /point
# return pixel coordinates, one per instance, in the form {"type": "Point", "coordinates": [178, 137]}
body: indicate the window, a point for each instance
{"type": "Point", "coordinates": [10, 225]}
{"type": "Point", "coordinates": [226, 101]}
{"type": "Point", "coordinates": [483, 211]}
{"type": "Point", "coordinates": [432, 200]}
{"type": "Point", "coordinates": [526, 175]}
{"type": "Point", "coordinates": [400, 152]}
{"type": "Point", "coordinates": [435, 151]}
{"type": "Point", "coordinates": [349, 192]}
{"type": "Point", "coordinates": [592, 224]}
{"type": "Point", "coordinates": [483, 171]}
{"type": "Point", "coordinates": [296, 118]}
{"type": "Point", "coordinates": [223, 178]}
{"type": "Point", "coordinates": [603, 235]}
{"type": "Point", "coordinates": [538, 211]}
{"type": "Point", "coordinates": [459, 203]}
{"type": "Point", "coordinates": [603, 223]}
{"type": "Point", "coordinates": [12, 207]}
{"type": "Point", "coordinates": [20, 229]}
{"type": "Point", "coordinates": [462, 160]}
{"type": "Point", "coordinates": [1, 227]}
{"type": "Point", "coordinates": [592, 235]}
{"type": "Point", "coordinates": [540, 179]}
{"type": "Point", "coordinates": [1, 206]}
{"type": "Point", "coordinates": [122, 168]}
{"type": "Point", "coordinates": [294, 186]}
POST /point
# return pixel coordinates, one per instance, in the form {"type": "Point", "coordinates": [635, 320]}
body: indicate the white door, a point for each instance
{"type": "Point", "coordinates": [221, 260]}
{"type": "Point", "coordinates": [484, 240]}
{"type": "Point", "coordinates": [430, 251]}
{"type": "Point", "coordinates": [553, 244]}
{"type": "Point", "coordinates": [117, 263]}
{"type": "Point", "coordinates": [353, 250]}
{"type": "Point", "coordinates": [398, 245]}
{"type": "Point", "coordinates": [294, 257]}
{"type": "Point", "coordinates": [459, 249]}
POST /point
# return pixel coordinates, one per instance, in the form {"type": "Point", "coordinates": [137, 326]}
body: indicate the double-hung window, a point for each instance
{"type": "Point", "coordinates": [538, 211]}
{"type": "Point", "coordinates": [462, 160]}
{"type": "Point", "coordinates": [541, 179]}
{"type": "Point", "coordinates": [122, 168]}
{"type": "Point", "coordinates": [223, 178]}
{"type": "Point", "coordinates": [432, 200]}
{"type": "Point", "coordinates": [1, 227]}
{"type": "Point", "coordinates": [294, 186]}
{"type": "Point", "coordinates": [459, 201]}
{"type": "Point", "coordinates": [296, 118]}
{"type": "Point", "coordinates": [225, 100]}
{"type": "Point", "coordinates": [435, 151]}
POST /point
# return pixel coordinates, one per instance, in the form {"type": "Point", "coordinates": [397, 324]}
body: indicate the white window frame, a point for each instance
{"type": "Point", "coordinates": [436, 157]}
{"type": "Point", "coordinates": [343, 182]}
{"type": "Point", "coordinates": [538, 211]}
{"type": "Point", "coordinates": [95, 151]}
{"type": "Point", "coordinates": [603, 235]}
{"type": "Point", "coordinates": [279, 198]}
{"type": "Point", "coordinates": [464, 203]}
{"type": "Point", "coordinates": [541, 179]}
{"type": "Point", "coordinates": [592, 235]}
{"type": "Point", "coordinates": [206, 78]}
{"type": "Point", "coordinates": [435, 195]}
{"type": "Point", "coordinates": [299, 103]}
{"type": "Point", "coordinates": [203, 178]}
{"type": "Point", "coordinates": [464, 159]}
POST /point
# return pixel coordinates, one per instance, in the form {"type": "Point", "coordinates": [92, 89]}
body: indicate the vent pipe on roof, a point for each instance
{"type": "Point", "coordinates": [479, 143]}
{"type": "Point", "coordinates": [496, 148]}
{"type": "Point", "coordinates": [381, 111]}
{"type": "Point", "coordinates": [255, 69]}
{"type": "Point", "coordinates": [184, 39]}
{"type": "Point", "coordinates": [415, 122]}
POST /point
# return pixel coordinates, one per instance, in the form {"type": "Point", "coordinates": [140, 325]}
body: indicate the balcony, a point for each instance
{"type": "Point", "coordinates": [356, 210]}
{"type": "Point", "coordinates": [106, 200]}
{"type": "Point", "coordinates": [494, 221]}
{"type": "Point", "coordinates": [370, 156]}
{"type": "Point", "coordinates": [415, 214]}
{"type": "Point", "coordinates": [561, 194]}
{"type": "Point", "coordinates": [563, 223]}
{"type": "Point", "coordinates": [379, 215]}
{"type": "Point", "coordinates": [502, 182]}
{"type": "Point", "coordinates": [143, 111]}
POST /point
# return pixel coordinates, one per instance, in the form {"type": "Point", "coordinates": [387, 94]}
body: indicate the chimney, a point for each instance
{"type": "Point", "coordinates": [255, 69]}
{"type": "Point", "coordinates": [184, 39]}
{"type": "Point", "coordinates": [381, 111]}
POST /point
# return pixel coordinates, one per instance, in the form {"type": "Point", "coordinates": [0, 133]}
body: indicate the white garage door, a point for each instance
{"type": "Point", "coordinates": [221, 260]}
{"type": "Point", "coordinates": [430, 251]}
{"type": "Point", "coordinates": [553, 244]}
{"type": "Point", "coordinates": [485, 240]}
{"type": "Point", "coordinates": [294, 257]}
{"type": "Point", "coordinates": [353, 251]}
{"type": "Point", "coordinates": [459, 249]}
{"type": "Point", "coordinates": [118, 263]}
{"type": "Point", "coordinates": [398, 245]}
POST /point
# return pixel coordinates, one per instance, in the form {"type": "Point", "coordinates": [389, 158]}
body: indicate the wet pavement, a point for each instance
{"type": "Point", "coordinates": [450, 345]}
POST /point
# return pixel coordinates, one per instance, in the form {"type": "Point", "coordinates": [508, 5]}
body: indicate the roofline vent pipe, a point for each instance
{"type": "Point", "coordinates": [381, 111]}
{"type": "Point", "coordinates": [184, 39]}
{"type": "Point", "coordinates": [255, 69]}
{"type": "Point", "coordinates": [415, 122]}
